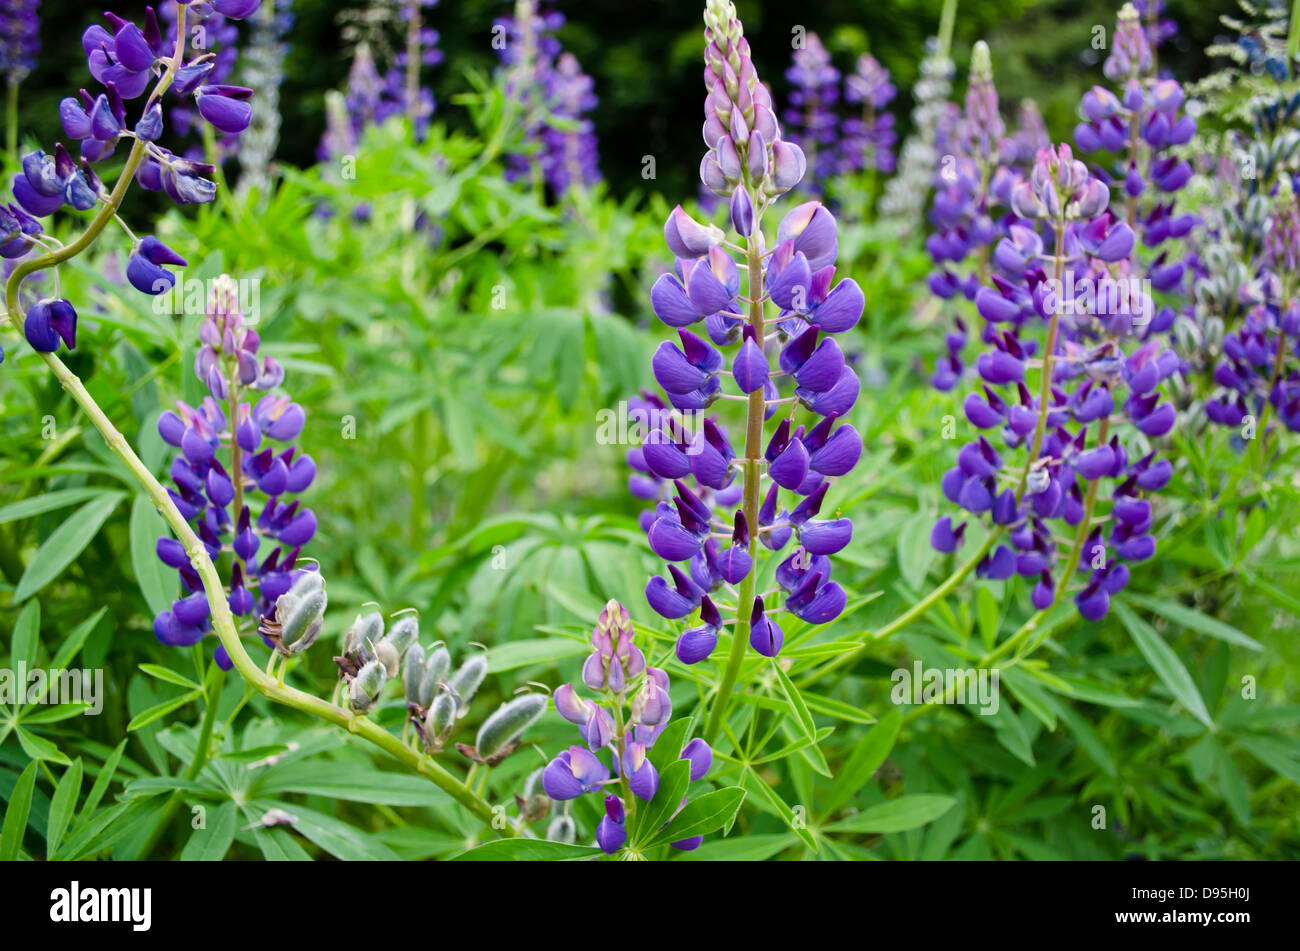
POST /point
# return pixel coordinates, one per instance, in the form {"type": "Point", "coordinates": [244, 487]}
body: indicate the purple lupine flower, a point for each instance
{"type": "Point", "coordinates": [20, 38]}
{"type": "Point", "coordinates": [1095, 350]}
{"type": "Point", "coordinates": [811, 117]}
{"type": "Point", "coordinates": [707, 517]}
{"type": "Point", "coordinates": [545, 83]}
{"type": "Point", "coordinates": [630, 712]}
{"type": "Point", "coordinates": [216, 495]}
{"type": "Point", "coordinates": [972, 189]}
{"type": "Point", "coordinates": [869, 138]}
{"type": "Point", "coordinates": [372, 98]}
{"type": "Point", "coordinates": [1258, 372]}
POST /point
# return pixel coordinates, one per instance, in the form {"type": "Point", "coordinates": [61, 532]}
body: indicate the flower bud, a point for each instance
{"type": "Point", "coordinates": [500, 731]}
{"type": "Point", "coordinates": [366, 686]}
{"type": "Point", "coordinates": [300, 625]}
{"type": "Point", "coordinates": [403, 635]}
{"type": "Point", "coordinates": [438, 721]}
{"type": "Point", "coordinates": [412, 674]}
{"type": "Point", "coordinates": [464, 683]}
{"type": "Point", "coordinates": [562, 829]}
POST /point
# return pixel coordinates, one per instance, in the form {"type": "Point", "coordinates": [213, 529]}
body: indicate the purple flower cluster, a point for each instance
{"type": "Point", "coordinates": [1143, 123]}
{"type": "Point", "coordinates": [1088, 363]}
{"type": "Point", "coordinates": [869, 138]}
{"type": "Point", "coordinates": [125, 60]}
{"type": "Point", "coordinates": [20, 38]}
{"type": "Point", "coordinates": [811, 116]}
{"type": "Point", "coordinates": [972, 195]}
{"type": "Point", "coordinates": [546, 85]}
{"type": "Point", "coordinates": [1258, 369]}
{"type": "Point", "coordinates": [215, 496]}
{"type": "Point", "coordinates": [749, 161]}
{"type": "Point", "coordinates": [617, 672]}
{"type": "Point", "coordinates": [373, 98]}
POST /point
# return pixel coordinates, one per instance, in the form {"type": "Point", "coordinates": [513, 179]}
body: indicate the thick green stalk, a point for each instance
{"type": "Point", "coordinates": [753, 470]}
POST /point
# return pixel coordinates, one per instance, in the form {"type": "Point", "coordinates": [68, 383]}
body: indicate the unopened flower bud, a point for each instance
{"type": "Point", "coordinates": [464, 683]}
{"type": "Point", "coordinates": [500, 731]}
{"type": "Point", "coordinates": [366, 686]}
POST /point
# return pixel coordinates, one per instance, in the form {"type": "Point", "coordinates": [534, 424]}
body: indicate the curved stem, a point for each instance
{"type": "Point", "coordinates": [911, 614]}
{"type": "Point", "coordinates": [222, 620]}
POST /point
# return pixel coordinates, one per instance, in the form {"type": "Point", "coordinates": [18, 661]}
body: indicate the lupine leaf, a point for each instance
{"type": "Point", "coordinates": [62, 806]}
{"type": "Point", "coordinates": [526, 850]}
{"type": "Point", "coordinates": [1165, 663]}
{"type": "Point", "coordinates": [896, 815]}
{"type": "Point", "coordinates": [701, 816]}
{"type": "Point", "coordinates": [65, 543]}
{"type": "Point", "coordinates": [145, 717]}
{"type": "Point", "coordinates": [211, 844]}
{"type": "Point", "coordinates": [673, 782]}
{"type": "Point", "coordinates": [868, 755]}
{"type": "Point", "coordinates": [16, 810]}
{"type": "Point", "coordinates": [157, 581]}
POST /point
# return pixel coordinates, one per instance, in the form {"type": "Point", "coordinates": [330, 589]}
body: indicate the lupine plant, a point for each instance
{"type": "Point", "coordinates": [709, 669]}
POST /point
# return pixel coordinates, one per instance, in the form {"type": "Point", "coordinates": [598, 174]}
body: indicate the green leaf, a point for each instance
{"type": "Point", "coordinates": [673, 782]}
{"type": "Point", "coordinates": [145, 717]}
{"type": "Point", "coordinates": [338, 838]}
{"type": "Point", "coordinates": [157, 581]}
{"type": "Point", "coordinates": [74, 641]}
{"type": "Point", "coordinates": [64, 544]}
{"type": "Point", "coordinates": [542, 650]}
{"type": "Point", "coordinates": [754, 783]}
{"type": "Point", "coordinates": [103, 779]}
{"type": "Point", "coordinates": [866, 759]}
{"type": "Point", "coordinates": [701, 816]}
{"type": "Point", "coordinates": [47, 502]}
{"type": "Point", "coordinates": [896, 815]}
{"type": "Point", "coordinates": [526, 850]}
{"type": "Point", "coordinates": [987, 613]}
{"type": "Point", "coordinates": [740, 848]}
{"type": "Point", "coordinates": [62, 806]}
{"type": "Point", "coordinates": [797, 705]}
{"type": "Point", "coordinates": [212, 843]}
{"type": "Point", "coordinates": [1197, 621]}
{"type": "Point", "coordinates": [169, 675]}
{"type": "Point", "coordinates": [914, 551]}
{"type": "Point", "coordinates": [39, 748]}
{"type": "Point", "coordinates": [1165, 663]}
{"type": "Point", "coordinates": [19, 805]}
{"type": "Point", "coordinates": [26, 635]}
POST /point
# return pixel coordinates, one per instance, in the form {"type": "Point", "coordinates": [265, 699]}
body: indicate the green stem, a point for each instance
{"type": "Point", "coordinates": [911, 614]}
{"type": "Point", "coordinates": [223, 623]}
{"type": "Point", "coordinates": [750, 503]}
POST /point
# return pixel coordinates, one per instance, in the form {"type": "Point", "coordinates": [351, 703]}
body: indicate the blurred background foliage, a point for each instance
{"type": "Point", "coordinates": [644, 56]}
{"type": "Point", "coordinates": [454, 338]}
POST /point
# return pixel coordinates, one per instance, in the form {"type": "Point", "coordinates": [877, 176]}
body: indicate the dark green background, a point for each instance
{"type": "Point", "coordinates": [645, 57]}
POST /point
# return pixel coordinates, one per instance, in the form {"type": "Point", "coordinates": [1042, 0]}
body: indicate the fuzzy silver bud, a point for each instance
{"type": "Point", "coordinates": [464, 683]}
{"type": "Point", "coordinates": [499, 731]}
{"type": "Point", "coordinates": [366, 686]}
